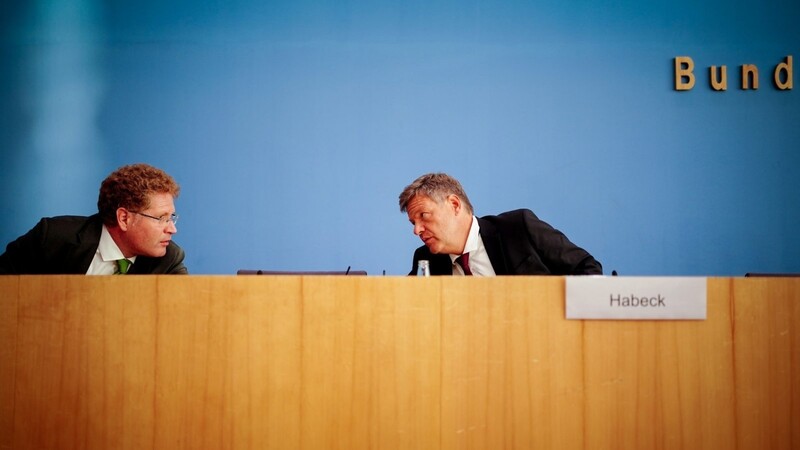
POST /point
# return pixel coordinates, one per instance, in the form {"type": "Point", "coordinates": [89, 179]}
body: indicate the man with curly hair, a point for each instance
{"type": "Point", "coordinates": [131, 233]}
{"type": "Point", "coordinates": [458, 243]}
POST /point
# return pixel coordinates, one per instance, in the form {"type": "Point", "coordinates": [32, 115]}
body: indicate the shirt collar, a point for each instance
{"type": "Point", "coordinates": [473, 239]}
{"type": "Point", "coordinates": [108, 249]}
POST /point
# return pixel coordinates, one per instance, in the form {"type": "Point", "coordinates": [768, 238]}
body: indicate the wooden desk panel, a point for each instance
{"type": "Point", "coordinates": [766, 340]}
{"type": "Point", "coordinates": [292, 362]}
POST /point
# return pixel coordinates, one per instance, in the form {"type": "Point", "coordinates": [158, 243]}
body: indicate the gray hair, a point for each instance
{"type": "Point", "coordinates": [436, 186]}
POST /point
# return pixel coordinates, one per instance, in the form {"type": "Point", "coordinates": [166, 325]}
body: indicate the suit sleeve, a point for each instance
{"type": "Point", "coordinates": [419, 254]}
{"type": "Point", "coordinates": [177, 267]}
{"type": "Point", "coordinates": [557, 252]}
{"type": "Point", "coordinates": [439, 264]}
{"type": "Point", "coordinates": [169, 264]}
{"type": "Point", "coordinates": [21, 255]}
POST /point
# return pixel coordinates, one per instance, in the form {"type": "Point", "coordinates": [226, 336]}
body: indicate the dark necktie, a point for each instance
{"type": "Point", "coordinates": [122, 267]}
{"type": "Point", "coordinates": [463, 261]}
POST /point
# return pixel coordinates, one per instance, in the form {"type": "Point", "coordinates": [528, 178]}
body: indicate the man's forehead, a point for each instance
{"type": "Point", "coordinates": [160, 200]}
{"type": "Point", "coordinates": [420, 200]}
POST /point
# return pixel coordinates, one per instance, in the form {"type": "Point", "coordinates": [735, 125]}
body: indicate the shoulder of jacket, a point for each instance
{"type": "Point", "coordinates": [508, 215]}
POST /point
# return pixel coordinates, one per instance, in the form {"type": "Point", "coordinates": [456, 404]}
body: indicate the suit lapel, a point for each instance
{"type": "Point", "coordinates": [493, 243]}
{"type": "Point", "coordinates": [87, 240]}
{"type": "Point", "coordinates": [143, 265]}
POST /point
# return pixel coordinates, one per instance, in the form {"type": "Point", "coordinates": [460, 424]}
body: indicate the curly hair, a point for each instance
{"type": "Point", "coordinates": [436, 186]}
{"type": "Point", "coordinates": [129, 187]}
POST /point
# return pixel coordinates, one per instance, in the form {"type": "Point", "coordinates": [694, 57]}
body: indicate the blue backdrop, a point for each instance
{"type": "Point", "coordinates": [292, 126]}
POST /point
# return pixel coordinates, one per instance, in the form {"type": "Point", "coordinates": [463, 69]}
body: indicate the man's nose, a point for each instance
{"type": "Point", "coordinates": [418, 229]}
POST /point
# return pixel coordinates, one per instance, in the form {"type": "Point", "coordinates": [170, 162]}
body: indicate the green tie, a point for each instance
{"type": "Point", "coordinates": [122, 267]}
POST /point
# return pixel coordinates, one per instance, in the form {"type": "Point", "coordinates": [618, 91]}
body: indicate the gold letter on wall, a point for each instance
{"type": "Point", "coordinates": [748, 71]}
{"type": "Point", "coordinates": [683, 69]}
{"type": "Point", "coordinates": [784, 67]}
{"type": "Point", "coordinates": [721, 83]}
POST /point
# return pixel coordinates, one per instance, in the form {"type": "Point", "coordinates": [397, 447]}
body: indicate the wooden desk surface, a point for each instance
{"type": "Point", "coordinates": [291, 362]}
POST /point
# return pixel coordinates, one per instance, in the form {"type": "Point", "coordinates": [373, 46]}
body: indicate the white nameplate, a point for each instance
{"type": "Point", "coordinates": [636, 298]}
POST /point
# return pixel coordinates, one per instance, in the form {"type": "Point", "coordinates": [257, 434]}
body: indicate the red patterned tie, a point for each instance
{"type": "Point", "coordinates": [463, 261]}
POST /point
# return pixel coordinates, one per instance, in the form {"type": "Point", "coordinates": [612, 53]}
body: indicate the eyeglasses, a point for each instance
{"type": "Point", "coordinates": [163, 220]}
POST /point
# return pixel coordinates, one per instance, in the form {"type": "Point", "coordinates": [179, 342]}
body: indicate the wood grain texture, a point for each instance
{"type": "Point", "coordinates": [317, 362]}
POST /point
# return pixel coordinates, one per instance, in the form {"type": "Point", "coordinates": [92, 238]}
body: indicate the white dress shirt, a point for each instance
{"type": "Point", "coordinates": [479, 262]}
{"type": "Point", "coordinates": [104, 261]}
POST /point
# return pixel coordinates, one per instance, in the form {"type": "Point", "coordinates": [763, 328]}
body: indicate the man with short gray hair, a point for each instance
{"type": "Point", "coordinates": [458, 243]}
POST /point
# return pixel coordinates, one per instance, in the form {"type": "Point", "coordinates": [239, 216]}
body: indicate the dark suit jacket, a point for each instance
{"type": "Point", "coordinates": [67, 244]}
{"type": "Point", "coordinates": [519, 243]}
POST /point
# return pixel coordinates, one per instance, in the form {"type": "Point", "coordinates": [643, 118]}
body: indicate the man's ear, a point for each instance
{"type": "Point", "coordinates": [123, 218]}
{"type": "Point", "coordinates": [454, 202]}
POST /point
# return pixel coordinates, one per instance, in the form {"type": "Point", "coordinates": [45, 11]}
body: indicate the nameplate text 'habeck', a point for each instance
{"type": "Point", "coordinates": [636, 298]}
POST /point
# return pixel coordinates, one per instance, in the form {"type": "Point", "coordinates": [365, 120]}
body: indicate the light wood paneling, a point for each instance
{"type": "Point", "coordinates": [9, 295]}
{"type": "Point", "coordinates": [303, 362]}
